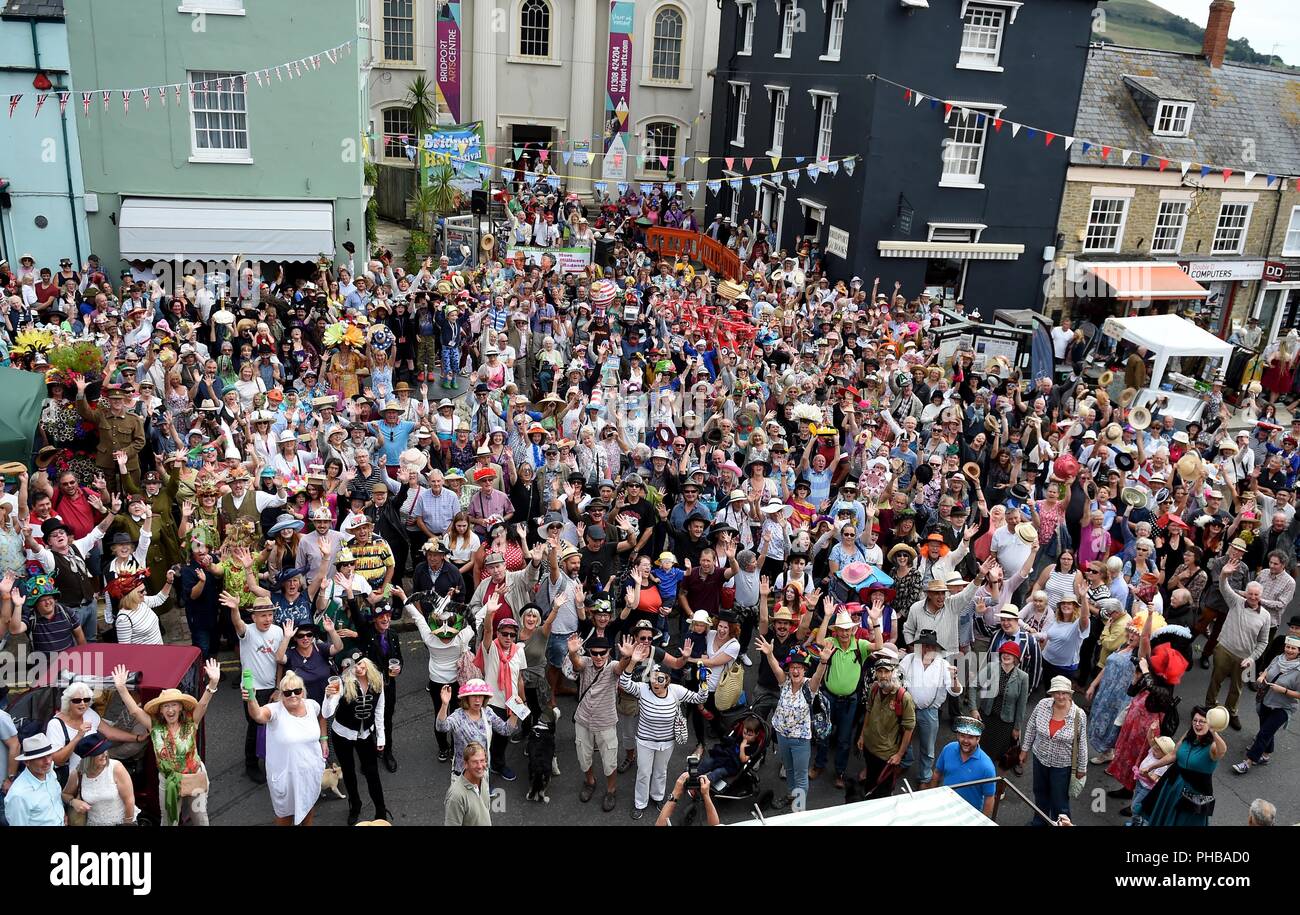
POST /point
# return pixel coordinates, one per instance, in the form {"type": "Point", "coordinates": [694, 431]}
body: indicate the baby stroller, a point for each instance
{"type": "Point", "coordinates": [744, 785]}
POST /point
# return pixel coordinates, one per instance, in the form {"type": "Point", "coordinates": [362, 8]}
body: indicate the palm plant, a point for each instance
{"type": "Point", "coordinates": [437, 198]}
{"type": "Point", "coordinates": [420, 99]}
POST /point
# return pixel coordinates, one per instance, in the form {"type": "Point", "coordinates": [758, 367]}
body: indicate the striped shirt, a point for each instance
{"type": "Point", "coordinates": [373, 561]}
{"type": "Point", "coordinates": [596, 709]}
{"type": "Point", "coordinates": [656, 714]}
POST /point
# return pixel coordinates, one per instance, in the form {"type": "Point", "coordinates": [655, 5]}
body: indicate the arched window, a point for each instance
{"type": "Point", "coordinates": [669, 31]}
{"type": "Point", "coordinates": [535, 29]}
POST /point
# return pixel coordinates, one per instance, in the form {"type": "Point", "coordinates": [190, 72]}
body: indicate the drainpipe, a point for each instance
{"type": "Point", "coordinates": [67, 150]}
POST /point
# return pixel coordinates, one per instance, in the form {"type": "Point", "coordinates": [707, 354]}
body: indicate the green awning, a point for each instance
{"type": "Point", "coordinates": [20, 413]}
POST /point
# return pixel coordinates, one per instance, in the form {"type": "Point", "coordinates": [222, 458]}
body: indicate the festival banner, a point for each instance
{"type": "Point", "coordinates": [567, 260]}
{"type": "Point", "coordinates": [447, 63]}
{"type": "Point", "coordinates": [618, 83]}
{"type": "Point", "coordinates": [461, 146]}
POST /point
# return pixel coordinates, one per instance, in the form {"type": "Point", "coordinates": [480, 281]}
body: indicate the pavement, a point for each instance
{"type": "Point", "coordinates": [415, 792]}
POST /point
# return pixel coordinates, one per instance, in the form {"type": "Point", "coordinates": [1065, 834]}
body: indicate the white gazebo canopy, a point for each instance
{"type": "Point", "coordinates": [1166, 337]}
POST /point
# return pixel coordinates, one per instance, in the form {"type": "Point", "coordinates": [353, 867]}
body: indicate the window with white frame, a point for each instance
{"type": "Point", "coordinates": [1291, 244]}
{"type": "Point", "coordinates": [734, 198]}
{"type": "Point", "coordinates": [1171, 224]}
{"type": "Point", "coordinates": [747, 10]}
{"type": "Point", "coordinates": [1173, 119]}
{"type": "Point", "coordinates": [669, 37]}
{"type": "Point", "coordinates": [1230, 231]}
{"type": "Point", "coordinates": [780, 96]}
{"type": "Point", "coordinates": [660, 141]}
{"type": "Point", "coordinates": [1106, 220]}
{"type": "Point", "coordinates": [789, 12]}
{"type": "Point", "coordinates": [981, 35]}
{"type": "Point", "coordinates": [399, 30]}
{"type": "Point", "coordinates": [835, 28]}
{"type": "Point", "coordinates": [950, 233]}
{"type": "Point", "coordinates": [218, 116]}
{"type": "Point", "coordinates": [963, 153]}
{"type": "Point", "coordinates": [825, 105]}
{"type": "Point", "coordinates": [535, 29]}
{"type": "Point", "coordinates": [741, 91]}
{"type": "Point", "coordinates": [397, 124]}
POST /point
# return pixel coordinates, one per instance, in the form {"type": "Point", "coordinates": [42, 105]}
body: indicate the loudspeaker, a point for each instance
{"type": "Point", "coordinates": [604, 253]}
{"type": "Point", "coordinates": [478, 202]}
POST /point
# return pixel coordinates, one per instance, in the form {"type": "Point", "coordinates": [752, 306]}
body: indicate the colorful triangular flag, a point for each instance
{"type": "Point", "coordinates": [713, 186]}
{"type": "Point", "coordinates": [1048, 137]}
{"type": "Point", "coordinates": [749, 161]}
{"type": "Point", "coordinates": [1084, 146]}
{"type": "Point", "coordinates": [1184, 167]}
{"type": "Point", "coordinates": [833, 166]}
{"type": "Point", "coordinates": [63, 101]}
{"type": "Point", "coordinates": [85, 103]}
{"type": "Point", "coordinates": [729, 161]}
{"type": "Point", "coordinates": [776, 160]}
{"type": "Point", "coordinates": [13, 102]}
{"type": "Point", "coordinates": [692, 187]}
{"type": "Point", "coordinates": [1164, 164]}
{"type": "Point", "coordinates": [663, 162]}
{"type": "Point", "coordinates": [1015, 129]}
{"type": "Point", "coordinates": [600, 186]}
{"type": "Point", "coordinates": [1125, 155]}
{"type": "Point", "coordinates": [793, 175]}
{"type": "Point", "coordinates": [40, 102]}
{"type": "Point", "coordinates": [1143, 159]}
{"type": "Point", "coordinates": [849, 165]}
{"type": "Point", "coordinates": [144, 94]}
{"type": "Point", "coordinates": [1227, 173]}
{"type": "Point", "coordinates": [1205, 170]}
{"type": "Point", "coordinates": [1249, 176]}
{"type": "Point", "coordinates": [997, 124]}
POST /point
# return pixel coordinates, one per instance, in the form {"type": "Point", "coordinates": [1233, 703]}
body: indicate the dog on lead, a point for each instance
{"type": "Point", "coordinates": [331, 780]}
{"type": "Point", "coordinates": [541, 758]}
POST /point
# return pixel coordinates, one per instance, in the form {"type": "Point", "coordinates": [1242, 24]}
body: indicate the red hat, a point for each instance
{"type": "Point", "coordinates": [1011, 648]}
{"type": "Point", "coordinates": [484, 473]}
{"type": "Point", "coordinates": [123, 585]}
{"type": "Point", "coordinates": [1169, 664]}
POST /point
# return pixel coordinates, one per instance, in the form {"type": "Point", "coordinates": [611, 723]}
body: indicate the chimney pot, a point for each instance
{"type": "Point", "coordinates": [1216, 32]}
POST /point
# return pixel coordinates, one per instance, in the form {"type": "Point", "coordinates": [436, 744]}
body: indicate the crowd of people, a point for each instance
{"type": "Point", "coordinates": [760, 516]}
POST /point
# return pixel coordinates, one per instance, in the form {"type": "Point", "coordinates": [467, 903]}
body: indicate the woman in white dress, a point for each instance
{"type": "Point", "coordinates": [296, 749]}
{"type": "Point", "coordinates": [100, 788]}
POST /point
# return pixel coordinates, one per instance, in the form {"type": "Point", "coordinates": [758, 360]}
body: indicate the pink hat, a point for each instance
{"type": "Point", "coordinates": [475, 687]}
{"type": "Point", "coordinates": [855, 573]}
{"type": "Point", "coordinates": [731, 465]}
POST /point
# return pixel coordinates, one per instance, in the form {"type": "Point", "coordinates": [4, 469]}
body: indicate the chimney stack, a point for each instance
{"type": "Point", "coordinates": [1216, 32]}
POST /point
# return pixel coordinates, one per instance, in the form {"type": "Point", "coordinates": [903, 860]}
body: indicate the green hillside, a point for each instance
{"type": "Point", "coordinates": [1142, 24]}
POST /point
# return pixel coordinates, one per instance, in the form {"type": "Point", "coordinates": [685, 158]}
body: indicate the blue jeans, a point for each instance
{"type": "Point", "coordinates": [87, 617]}
{"type": "Point", "coordinates": [794, 756]}
{"type": "Point", "coordinates": [1051, 791]}
{"type": "Point", "coordinates": [1270, 721]}
{"type": "Point", "coordinates": [927, 732]}
{"type": "Point", "coordinates": [1139, 792]}
{"type": "Point", "coordinates": [843, 708]}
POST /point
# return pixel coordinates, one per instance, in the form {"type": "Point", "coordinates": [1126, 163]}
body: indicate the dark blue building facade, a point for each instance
{"type": "Point", "coordinates": [953, 203]}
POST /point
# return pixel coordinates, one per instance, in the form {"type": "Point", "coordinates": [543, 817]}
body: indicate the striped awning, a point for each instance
{"type": "Point", "coordinates": [937, 807]}
{"type": "Point", "coordinates": [935, 250]}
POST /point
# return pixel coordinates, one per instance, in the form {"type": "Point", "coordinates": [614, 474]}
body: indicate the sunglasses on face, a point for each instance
{"type": "Point", "coordinates": [81, 700]}
{"type": "Point", "coordinates": [291, 692]}
{"type": "Point", "coordinates": [645, 638]}
{"type": "Point", "coordinates": [600, 654]}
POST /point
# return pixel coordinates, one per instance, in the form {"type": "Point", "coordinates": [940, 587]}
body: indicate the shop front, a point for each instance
{"type": "Point", "coordinates": [1278, 304]}
{"type": "Point", "coordinates": [1227, 282]}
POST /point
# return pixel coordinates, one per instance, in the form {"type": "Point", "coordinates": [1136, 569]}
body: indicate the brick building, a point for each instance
{"type": "Point", "coordinates": [1134, 236]}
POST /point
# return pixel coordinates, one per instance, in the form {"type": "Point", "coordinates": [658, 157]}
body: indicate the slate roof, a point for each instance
{"type": "Point", "coordinates": [1235, 103]}
{"type": "Point", "coordinates": [31, 9]}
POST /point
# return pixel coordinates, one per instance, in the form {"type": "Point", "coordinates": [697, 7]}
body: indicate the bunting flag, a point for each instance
{"type": "Point", "coordinates": [776, 160]}
{"type": "Point", "coordinates": [106, 93]}
{"type": "Point", "coordinates": [1084, 146]}
{"type": "Point", "coordinates": [622, 187]}
{"type": "Point", "coordinates": [997, 124]}
{"type": "Point", "coordinates": [1106, 151]}
{"type": "Point", "coordinates": [729, 161]}
{"type": "Point", "coordinates": [178, 95]}
{"type": "Point", "coordinates": [692, 187]}
{"type": "Point", "coordinates": [703, 160]}
{"type": "Point", "coordinates": [735, 182]}
{"type": "Point", "coordinates": [1031, 132]}
{"type": "Point", "coordinates": [13, 103]}
{"type": "Point", "coordinates": [565, 156]}
{"type": "Point", "coordinates": [126, 101]}
{"type": "Point", "coordinates": [544, 154]}
{"type": "Point", "coordinates": [144, 94]}
{"type": "Point", "coordinates": [646, 187]}
{"type": "Point", "coordinates": [798, 160]}
{"type": "Point", "coordinates": [516, 151]}
{"type": "Point", "coordinates": [850, 164]}
{"type": "Point", "coordinates": [1249, 176]}
{"type": "Point", "coordinates": [713, 186]}
{"type": "Point", "coordinates": [1069, 141]}
{"type": "Point", "coordinates": [1143, 159]}
{"type": "Point", "coordinates": [749, 162]}
{"type": "Point", "coordinates": [1164, 164]}
{"type": "Point", "coordinates": [1048, 137]}
{"type": "Point", "coordinates": [755, 180]}
{"type": "Point", "coordinates": [553, 181]}
{"type": "Point", "coordinates": [793, 175]}
{"type": "Point", "coordinates": [1227, 173]}
{"type": "Point", "coordinates": [812, 173]}
{"type": "Point", "coordinates": [333, 57]}
{"type": "Point", "coordinates": [1268, 182]}
{"type": "Point", "coordinates": [1125, 155]}
{"type": "Point", "coordinates": [1205, 170]}
{"type": "Point", "coordinates": [1184, 167]}
{"type": "Point", "coordinates": [85, 103]}
{"type": "Point", "coordinates": [278, 75]}
{"type": "Point", "coordinates": [916, 102]}
{"type": "Point", "coordinates": [833, 166]}
{"type": "Point", "coordinates": [530, 179]}
{"type": "Point", "coordinates": [947, 110]}
{"type": "Point", "coordinates": [600, 186]}
{"type": "Point", "coordinates": [670, 188]}
{"type": "Point", "coordinates": [1015, 129]}
{"type": "Point", "coordinates": [683, 161]}
{"type": "Point", "coordinates": [40, 102]}
{"type": "Point", "coordinates": [663, 162]}
{"type": "Point", "coordinates": [63, 101]}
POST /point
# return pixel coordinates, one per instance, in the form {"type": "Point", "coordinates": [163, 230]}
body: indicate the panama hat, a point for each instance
{"type": "Point", "coordinates": [842, 620]}
{"type": "Point", "coordinates": [936, 585]}
{"type": "Point", "coordinates": [1027, 532]}
{"type": "Point", "coordinates": [170, 695]}
{"type": "Point", "coordinates": [35, 747]}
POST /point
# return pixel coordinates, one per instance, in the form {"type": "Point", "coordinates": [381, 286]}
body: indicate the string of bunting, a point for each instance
{"type": "Point", "coordinates": [813, 170]}
{"type": "Point", "coordinates": [264, 77]}
{"type": "Point", "coordinates": [729, 161]}
{"type": "Point", "coordinates": [1104, 151]}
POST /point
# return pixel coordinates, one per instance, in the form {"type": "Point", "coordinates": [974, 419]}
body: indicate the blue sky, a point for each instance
{"type": "Point", "coordinates": [1269, 25]}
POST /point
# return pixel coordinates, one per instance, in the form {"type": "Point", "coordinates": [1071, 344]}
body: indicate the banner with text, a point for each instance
{"type": "Point", "coordinates": [447, 64]}
{"type": "Point", "coordinates": [567, 260]}
{"type": "Point", "coordinates": [461, 147]}
{"type": "Point", "coordinates": [618, 84]}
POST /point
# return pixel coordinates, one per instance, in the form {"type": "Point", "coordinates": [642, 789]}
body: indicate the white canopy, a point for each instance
{"type": "Point", "coordinates": [937, 807]}
{"type": "Point", "coordinates": [1166, 337]}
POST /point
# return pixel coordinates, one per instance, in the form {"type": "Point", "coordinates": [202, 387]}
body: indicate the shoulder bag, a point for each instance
{"type": "Point", "coordinates": [1076, 784]}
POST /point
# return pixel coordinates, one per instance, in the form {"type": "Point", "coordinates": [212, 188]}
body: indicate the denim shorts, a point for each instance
{"type": "Point", "coordinates": [557, 649]}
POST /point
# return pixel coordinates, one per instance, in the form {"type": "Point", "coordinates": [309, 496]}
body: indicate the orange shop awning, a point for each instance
{"type": "Point", "coordinates": [1147, 282]}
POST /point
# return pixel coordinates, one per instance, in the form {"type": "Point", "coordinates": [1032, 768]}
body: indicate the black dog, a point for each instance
{"type": "Point", "coordinates": [541, 754]}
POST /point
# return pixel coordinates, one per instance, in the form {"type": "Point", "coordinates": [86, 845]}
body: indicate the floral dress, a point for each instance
{"type": "Point", "coordinates": [176, 756]}
{"type": "Point", "coordinates": [74, 436]}
{"type": "Point", "coordinates": [1131, 745]}
{"type": "Point", "coordinates": [792, 717]}
{"type": "Point", "coordinates": [1109, 702]}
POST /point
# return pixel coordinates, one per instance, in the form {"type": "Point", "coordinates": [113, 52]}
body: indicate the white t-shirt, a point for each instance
{"type": "Point", "coordinates": [257, 653]}
{"type": "Point", "coordinates": [1010, 550]}
{"type": "Point", "coordinates": [731, 648]}
{"type": "Point", "coordinates": [1061, 338]}
{"type": "Point", "coordinates": [60, 732]}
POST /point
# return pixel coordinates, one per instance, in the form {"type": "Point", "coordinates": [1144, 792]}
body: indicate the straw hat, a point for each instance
{"type": "Point", "coordinates": [170, 695]}
{"type": "Point", "coordinates": [1027, 532]}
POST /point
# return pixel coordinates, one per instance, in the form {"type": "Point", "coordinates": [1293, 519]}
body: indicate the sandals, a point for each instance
{"type": "Point", "coordinates": [625, 763]}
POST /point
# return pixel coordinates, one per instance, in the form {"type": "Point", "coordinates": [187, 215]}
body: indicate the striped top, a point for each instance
{"type": "Point", "coordinates": [1056, 750]}
{"type": "Point", "coordinates": [656, 714]}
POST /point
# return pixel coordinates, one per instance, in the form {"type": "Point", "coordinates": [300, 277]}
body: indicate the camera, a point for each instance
{"type": "Point", "coordinates": [692, 771]}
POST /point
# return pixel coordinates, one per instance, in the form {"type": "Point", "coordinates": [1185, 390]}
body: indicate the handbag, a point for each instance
{"type": "Point", "coordinates": [1076, 784]}
{"type": "Point", "coordinates": [1196, 804]}
{"type": "Point", "coordinates": [467, 669]}
{"type": "Point", "coordinates": [680, 734]}
{"type": "Point", "coordinates": [727, 692]}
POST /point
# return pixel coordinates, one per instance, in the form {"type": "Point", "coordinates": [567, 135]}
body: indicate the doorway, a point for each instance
{"type": "Point", "coordinates": [531, 138]}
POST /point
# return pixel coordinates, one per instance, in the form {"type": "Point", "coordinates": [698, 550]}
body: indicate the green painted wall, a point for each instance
{"type": "Point", "coordinates": [304, 134]}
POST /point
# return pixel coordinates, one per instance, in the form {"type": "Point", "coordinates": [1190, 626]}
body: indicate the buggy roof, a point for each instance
{"type": "Point", "coordinates": [160, 666]}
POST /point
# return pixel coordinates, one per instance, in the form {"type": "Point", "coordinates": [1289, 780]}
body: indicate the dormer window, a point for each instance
{"type": "Point", "coordinates": [1173, 119]}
